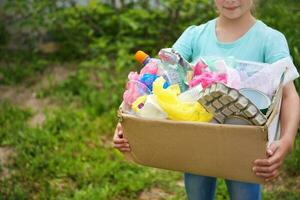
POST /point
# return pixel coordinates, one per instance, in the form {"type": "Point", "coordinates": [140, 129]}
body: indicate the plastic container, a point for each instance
{"type": "Point", "coordinates": [191, 95]}
{"type": "Point", "coordinates": [144, 58]}
{"type": "Point", "coordinates": [147, 107]}
{"type": "Point", "coordinates": [150, 65]}
{"type": "Point", "coordinates": [258, 98]}
{"type": "Point", "coordinates": [169, 68]}
{"type": "Point", "coordinates": [174, 71]}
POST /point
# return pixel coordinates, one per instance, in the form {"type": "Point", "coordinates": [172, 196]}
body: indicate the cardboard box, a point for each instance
{"type": "Point", "coordinates": [217, 150]}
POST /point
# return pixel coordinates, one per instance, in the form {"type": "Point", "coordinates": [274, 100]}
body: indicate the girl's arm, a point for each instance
{"type": "Point", "coordinates": [289, 117]}
{"type": "Point", "coordinates": [290, 114]}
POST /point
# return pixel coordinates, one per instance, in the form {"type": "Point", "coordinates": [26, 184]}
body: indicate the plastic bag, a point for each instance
{"type": "Point", "coordinates": [176, 109]}
{"type": "Point", "coordinates": [216, 70]}
{"type": "Point", "coordinates": [134, 89]}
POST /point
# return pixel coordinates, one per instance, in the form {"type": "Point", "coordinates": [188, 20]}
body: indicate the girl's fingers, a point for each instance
{"type": "Point", "coordinates": [268, 162]}
{"type": "Point", "coordinates": [119, 128]}
{"type": "Point", "coordinates": [119, 131]}
{"type": "Point", "coordinates": [266, 169]}
{"type": "Point", "coordinates": [119, 146]}
{"type": "Point", "coordinates": [120, 140]}
{"type": "Point", "coordinates": [125, 149]}
{"type": "Point", "coordinates": [272, 148]}
{"type": "Point", "coordinates": [268, 176]}
{"type": "Point", "coordinates": [118, 136]}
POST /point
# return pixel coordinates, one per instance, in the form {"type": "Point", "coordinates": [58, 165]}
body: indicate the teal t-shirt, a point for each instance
{"type": "Point", "coordinates": [260, 44]}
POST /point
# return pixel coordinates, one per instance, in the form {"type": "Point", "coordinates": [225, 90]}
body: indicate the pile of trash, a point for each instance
{"type": "Point", "coordinates": [214, 89]}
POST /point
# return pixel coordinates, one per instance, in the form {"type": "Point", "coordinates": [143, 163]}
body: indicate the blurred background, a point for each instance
{"type": "Point", "coordinates": [63, 68]}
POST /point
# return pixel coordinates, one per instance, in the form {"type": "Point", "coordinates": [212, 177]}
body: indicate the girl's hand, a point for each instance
{"type": "Point", "coordinates": [119, 142]}
{"type": "Point", "coordinates": [269, 168]}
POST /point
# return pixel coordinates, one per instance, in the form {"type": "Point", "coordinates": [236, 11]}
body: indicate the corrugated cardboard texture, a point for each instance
{"type": "Point", "coordinates": [201, 148]}
{"type": "Point", "coordinates": [218, 150]}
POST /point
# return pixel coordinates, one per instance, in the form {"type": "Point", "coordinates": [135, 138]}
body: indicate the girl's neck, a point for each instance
{"type": "Point", "coordinates": [229, 30]}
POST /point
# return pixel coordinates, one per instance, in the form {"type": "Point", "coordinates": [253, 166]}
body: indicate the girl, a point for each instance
{"type": "Point", "coordinates": [235, 32]}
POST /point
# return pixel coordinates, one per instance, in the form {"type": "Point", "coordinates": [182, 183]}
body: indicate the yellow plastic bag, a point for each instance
{"type": "Point", "coordinates": [176, 109]}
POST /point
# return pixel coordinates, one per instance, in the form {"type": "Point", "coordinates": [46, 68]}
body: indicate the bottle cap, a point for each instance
{"type": "Point", "coordinates": [141, 56]}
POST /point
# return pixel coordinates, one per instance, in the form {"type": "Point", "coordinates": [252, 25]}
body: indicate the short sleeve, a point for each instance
{"type": "Point", "coordinates": [183, 45]}
{"type": "Point", "coordinates": [276, 47]}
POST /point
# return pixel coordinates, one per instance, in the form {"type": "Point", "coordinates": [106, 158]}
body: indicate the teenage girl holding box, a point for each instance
{"type": "Point", "coordinates": [236, 32]}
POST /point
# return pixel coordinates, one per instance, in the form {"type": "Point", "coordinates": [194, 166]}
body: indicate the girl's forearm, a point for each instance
{"type": "Point", "coordinates": [290, 115]}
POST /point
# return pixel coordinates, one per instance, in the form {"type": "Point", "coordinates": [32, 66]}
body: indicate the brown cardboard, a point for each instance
{"type": "Point", "coordinates": [218, 150]}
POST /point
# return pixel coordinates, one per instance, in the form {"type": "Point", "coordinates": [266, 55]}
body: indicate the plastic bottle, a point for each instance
{"type": "Point", "coordinates": [171, 71]}
{"type": "Point", "coordinates": [175, 75]}
{"type": "Point", "coordinates": [151, 66]}
{"type": "Point", "coordinates": [176, 68]}
{"type": "Point", "coordinates": [144, 58]}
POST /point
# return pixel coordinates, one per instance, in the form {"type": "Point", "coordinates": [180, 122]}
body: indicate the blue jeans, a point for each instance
{"type": "Point", "coordinates": [203, 188]}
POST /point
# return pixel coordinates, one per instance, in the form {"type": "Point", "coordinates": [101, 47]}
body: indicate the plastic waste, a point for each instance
{"type": "Point", "coordinates": [233, 77]}
{"type": "Point", "coordinates": [147, 107]}
{"type": "Point", "coordinates": [191, 95]}
{"type": "Point", "coordinates": [171, 66]}
{"type": "Point", "coordinates": [212, 61]}
{"type": "Point", "coordinates": [141, 84]}
{"type": "Point", "coordinates": [134, 89]}
{"type": "Point", "coordinates": [258, 98]}
{"type": "Point", "coordinates": [150, 68]}
{"type": "Point", "coordinates": [148, 80]}
{"type": "Point", "coordinates": [144, 58]}
{"type": "Point", "coordinates": [176, 70]}
{"type": "Point", "coordinates": [247, 69]}
{"type": "Point", "coordinates": [205, 77]}
{"type": "Point", "coordinates": [199, 67]}
{"type": "Point", "coordinates": [176, 109]}
{"type": "Point", "coordinates": [150, 65]}
{"type": "Point", "coordinates": [267, 78]}
{"type": "Point", "coordinates": [217, 70]}
{"type": "Point", "coordinates": [173, 75]}
{"type": "Point", "coordinates": [173, 57]}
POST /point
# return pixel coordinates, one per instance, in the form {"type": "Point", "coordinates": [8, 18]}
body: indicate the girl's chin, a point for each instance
{"type": "Point", "coordinates": [232, 16]}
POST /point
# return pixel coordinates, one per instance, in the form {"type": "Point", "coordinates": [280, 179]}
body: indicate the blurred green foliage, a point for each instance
{"type": "Point", "coordinates": [111, 34]}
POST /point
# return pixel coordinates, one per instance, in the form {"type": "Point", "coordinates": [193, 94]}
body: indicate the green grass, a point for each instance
{"type": "Point", "coordinates": [292, 162]}
{"type": "Point", "coordinates": [281, 195]}
{"type": "Point", "coordinates": [15, 67]}
{"type": "Point", "coordinates": [12, 123]}
{"type": "Point", "coordinates": [67, 158]}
